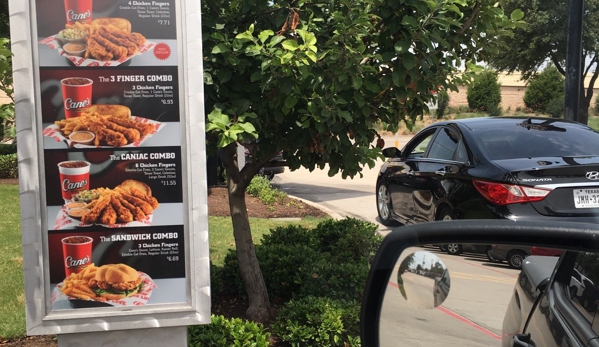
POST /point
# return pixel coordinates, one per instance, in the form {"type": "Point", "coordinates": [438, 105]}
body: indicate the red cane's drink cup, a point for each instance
{"type": "Point", "coordinates": [76, 95]}
{"type": "Point", "coordinates": [78, 11]}
{"type": "Point", "coordinates": [74, 177]}
{"type": "Point", "coordinates": [77, 253]}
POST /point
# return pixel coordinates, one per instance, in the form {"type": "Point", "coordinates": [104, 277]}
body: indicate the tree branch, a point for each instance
{"type": "Point", "coordinates": [471, 18]}
{"type": "Point", "coordinates": [212, 7]}
{"type": "Point", "coordinates": [555, 62]}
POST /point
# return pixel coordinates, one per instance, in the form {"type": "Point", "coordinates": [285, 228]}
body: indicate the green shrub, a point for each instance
{"type": "Point", "coordinates": [442, 103]}
{"type": "Point", "coordinates": [348, 239]}
{"type": "Point", "coordinates": [484, 94]}
{"type": "Point", "coordinates": [283, 268]}
{"type": "Point", "coordinates": [6, 148]}
{"type": "Point", "coordinates": [9, 166]}
{"type": "Point", "coordinates": [555, 107]}
{"type": "Point", "coordinates": [289, 235]}
{"type": "Point", "coordinates": [317, 321]}
{"type": "Point", "coordinates": [342, 281]}
{"type": "Point", "coordinates": [228, 332]}
{"type": "Point", "coordinates": [260, 187]}
{"type": "Point", "coordinates": [543, 88]}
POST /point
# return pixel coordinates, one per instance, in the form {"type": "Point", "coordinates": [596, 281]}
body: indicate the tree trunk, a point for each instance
{"type": "Point", "coordinates": [259, 304]}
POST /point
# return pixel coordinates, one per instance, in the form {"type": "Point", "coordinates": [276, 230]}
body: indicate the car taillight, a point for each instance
{"type": "Point", "coordinates": [505, 194]}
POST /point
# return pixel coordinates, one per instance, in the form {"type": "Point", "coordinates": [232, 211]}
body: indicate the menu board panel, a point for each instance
{"type": "Point", "coordinates": [113, 141]}
{"type": "Point", "coordinates": [157, 256]}
{"type": "Point", "coordinates": [107, 33]}
{"type": "Point", "coordinates": [112, 147]}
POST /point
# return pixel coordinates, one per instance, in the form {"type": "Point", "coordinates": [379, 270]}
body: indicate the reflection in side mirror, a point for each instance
{"type": "Point", "coordinates": [391, 152]}
{"type": "Point", "coordinates": [423, 280]}
{"type": "Point", "coordinates": [491, 303]}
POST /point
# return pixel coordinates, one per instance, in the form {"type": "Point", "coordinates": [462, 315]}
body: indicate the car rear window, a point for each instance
{"type": "Point", "coordinates": [537, 141]}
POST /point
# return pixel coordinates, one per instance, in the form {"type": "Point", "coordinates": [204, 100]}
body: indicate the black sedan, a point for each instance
{"type": "Point", "coordinates": [513, 168]}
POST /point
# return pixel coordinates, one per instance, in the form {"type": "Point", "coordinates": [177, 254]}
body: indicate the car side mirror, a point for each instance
{"type": "Point", "coordinates": [392, 312]}
{"type": "Point", "coordinates": [391, 152]}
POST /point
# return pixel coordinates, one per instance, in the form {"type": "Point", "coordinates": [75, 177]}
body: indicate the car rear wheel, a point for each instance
{"type": "Point", "coordinates": [515, 259]}
{"type": "Point", "coordinates": [383, 204]}
{"type": "Point", "coordinates": [451, 248]}
{"type": "Point", "coordinates": [454, 248]}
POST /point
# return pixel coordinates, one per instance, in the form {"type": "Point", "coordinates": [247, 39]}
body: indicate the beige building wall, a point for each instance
{"type": "Point", "coordinates": [512, 93]}
{"type": "Point", "coordinates": [3, 98]}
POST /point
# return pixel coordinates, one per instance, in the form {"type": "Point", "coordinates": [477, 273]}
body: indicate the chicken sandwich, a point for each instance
{"type": "Point", "coordinates": [115, 281]}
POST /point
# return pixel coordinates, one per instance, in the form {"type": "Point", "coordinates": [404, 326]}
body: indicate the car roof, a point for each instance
{"type": "Point", "coordinates": [474, 124]}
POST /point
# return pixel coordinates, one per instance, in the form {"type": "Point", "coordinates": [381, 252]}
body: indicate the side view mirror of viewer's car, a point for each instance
{"type": "Point", "coordinates": [418, 295]}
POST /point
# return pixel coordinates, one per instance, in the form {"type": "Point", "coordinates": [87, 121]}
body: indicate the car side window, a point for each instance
{"type": "Point", "coordinates": [444, 146]}
{"type": "Point", "coordinates": [584, 284]}
{"type": "Point", "coordinates": [418, 149]}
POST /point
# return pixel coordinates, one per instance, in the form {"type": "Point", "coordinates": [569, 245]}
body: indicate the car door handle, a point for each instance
{"type": "Point", "coordinates": [441, 172]}
{"type": "Point", "coordinates": [410, 172]}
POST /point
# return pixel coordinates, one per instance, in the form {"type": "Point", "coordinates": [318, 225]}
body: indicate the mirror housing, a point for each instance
{"type": "Point", "coordinates": [551, 234]}
{"type": "Point", "coordinates": [391, 152]}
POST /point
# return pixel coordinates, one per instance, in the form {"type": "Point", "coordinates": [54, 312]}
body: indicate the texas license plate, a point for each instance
{"type": "Point", "coordinates": [586, 198]}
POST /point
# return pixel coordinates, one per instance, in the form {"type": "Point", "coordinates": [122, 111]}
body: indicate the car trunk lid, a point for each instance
{"type": "Point", "coordinates": [574, 183]}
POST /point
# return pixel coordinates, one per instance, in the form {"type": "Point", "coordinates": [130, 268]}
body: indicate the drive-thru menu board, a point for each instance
{"type": "Point", "coordinates": [113, 129]}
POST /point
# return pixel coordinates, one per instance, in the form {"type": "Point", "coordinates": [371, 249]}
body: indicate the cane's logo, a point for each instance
{"type": "Point", "coordinates": [592, 175]}
{"type": "Point", "coordinates": [72, 16]}
{"type": "Point", "coordinates": [67, 185]}
{"type": "Point", "coordinates": [70, 104]}
{"type": "Point", "coordinates": [70, 262]}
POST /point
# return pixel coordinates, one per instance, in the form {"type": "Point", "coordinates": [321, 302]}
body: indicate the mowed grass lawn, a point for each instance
{"type": "Point", "coordinates": [12, 297]}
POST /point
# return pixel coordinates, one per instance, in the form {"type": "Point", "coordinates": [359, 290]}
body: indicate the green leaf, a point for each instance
{"type": "Point", "coordinates": [218, 118]}
{"type": "Point", "coordinates": [264, 35]}
{"type": "Point", "coordinates": [245, 36]}
{"type": "Point", "coordinates": [409, 21]}
{"type": "Point", "coordinates": [286, 58]}
{"type": "Point", "coordinates": [275, 40]}
{"type": "Point", "coordinates": [402, 46]}
{"type": "Point", "coordinates": [312, 56]}
{"type": "Point", "coordinates": [408, 61]}
{"type": "Point", "coordinates": [290, 45]}
{"type": "Point", "coordinates": [220, 48]}
{"type": "Point", "coordinates": [290, 101]}
{"type": "Point", "coordinates": [224, 75]}
{"type": "Point", "coordinates": [256, 76]}
{"type": "Point", "coordinates": [397, 80]}
{"type": "Point", "coordinates": [251, 29]}
{"type": "Point", "coordinates": [517, 14]}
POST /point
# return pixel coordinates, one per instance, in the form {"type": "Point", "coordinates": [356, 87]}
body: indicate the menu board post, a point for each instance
{"type": "Point", "coordinates": [113, 187]}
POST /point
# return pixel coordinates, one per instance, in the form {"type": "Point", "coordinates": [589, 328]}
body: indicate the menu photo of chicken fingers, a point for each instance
{"type": "Point", "coordinates": [103, 125]}
{"type": "Point", "coordinates": [127, 205]}
{"type": "Point", "coordinates": [101, 42]}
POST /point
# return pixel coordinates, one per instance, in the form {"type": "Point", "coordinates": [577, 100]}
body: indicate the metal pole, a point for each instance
{"type": "Point", "coordinates": [574, 59]}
